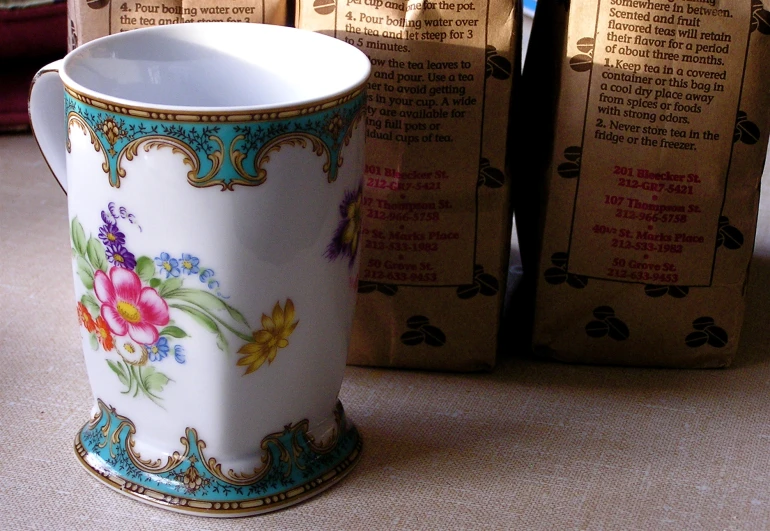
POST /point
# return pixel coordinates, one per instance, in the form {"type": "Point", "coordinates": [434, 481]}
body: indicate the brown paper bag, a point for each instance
{"type": "Point", "coordinates": [436, 208]}
{"type": "Point", "coordinates": [647, 130]}
{"type": "Point", "coordinates": [90, 19]}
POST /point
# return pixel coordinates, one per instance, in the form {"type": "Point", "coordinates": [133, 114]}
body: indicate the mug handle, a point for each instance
{"type": "Point", "coordinates": [46, 115]}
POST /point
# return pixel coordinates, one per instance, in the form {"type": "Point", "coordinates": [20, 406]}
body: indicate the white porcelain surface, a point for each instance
{"type": "Point", "coordinates": [265, 243]}
{"type": "Point", "coordinates": [225, 65]}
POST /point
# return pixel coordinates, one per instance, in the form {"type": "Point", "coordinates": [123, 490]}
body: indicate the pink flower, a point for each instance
{"type": "Point", "coordinates": [127, 307]}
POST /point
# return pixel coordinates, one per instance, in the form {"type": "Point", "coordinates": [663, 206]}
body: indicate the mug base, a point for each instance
{"type": "Point", "coordinates": [294, 468]}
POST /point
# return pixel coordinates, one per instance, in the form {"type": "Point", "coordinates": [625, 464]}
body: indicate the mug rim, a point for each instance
{"type": "Point", "coordinates": [195, 113]}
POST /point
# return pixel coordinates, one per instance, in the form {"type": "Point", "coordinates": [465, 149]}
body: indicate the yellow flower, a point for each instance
{"type": "Point", "coordinates": [350, 234]}
{"type": "Point", "coordinates": [273, 336]}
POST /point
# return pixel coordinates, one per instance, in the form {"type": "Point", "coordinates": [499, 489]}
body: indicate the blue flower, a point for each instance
{"type": "Point", "coordinates": [159, 350]}
{"type": "Point", "coordinates": [189, 264]}
{"type": "Point", "coordinates": [167, 264]}
{"type": "Point", "coordinates": [179, 353]}
{"type": "Point", "coordinates": [206, 274]}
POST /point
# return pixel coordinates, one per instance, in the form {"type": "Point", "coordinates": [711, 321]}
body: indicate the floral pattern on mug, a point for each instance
{"type": "Point", "coordinates": [129, 303]}
{"type": "Point", "coordinates": [346, 237]}
{"type": "Point", "coordinates": [85, 319]}
{"type": "Point", "coordinates": [273, 336]}
{"type": "Point", "coordinates": [128, 307]}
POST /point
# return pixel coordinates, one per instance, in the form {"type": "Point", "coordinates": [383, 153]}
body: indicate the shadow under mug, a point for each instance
{"type": "Point", "coordinates": [214, 178]}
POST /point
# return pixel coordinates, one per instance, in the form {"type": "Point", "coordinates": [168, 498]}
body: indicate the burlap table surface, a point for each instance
{"type": "Point", "coordinates": [533, 445]}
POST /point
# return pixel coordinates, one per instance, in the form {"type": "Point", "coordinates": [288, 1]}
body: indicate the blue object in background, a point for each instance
{"type": "Point", "coordinates": [529, 7]}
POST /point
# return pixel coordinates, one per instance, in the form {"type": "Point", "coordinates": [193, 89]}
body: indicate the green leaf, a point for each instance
{"type": "Point", "coordinates": [208, 301]}
{"type": "Point", "coordinates": [85, 273]}
{"type": "Point", "coordinates": [155, 282]}
{"type": "Point", "coordinates": [222, 343]}
{"type": "Point", "coordinates": [145, 268]}
{"type": "Point", "coordinates": [118, 369]}
{"type": "Point", "coordinates": [173, 331]}
{"type": "Point", "coordinates": [96, 254]}
{"type": "Point", "coordinates": [169, 286]}
{"type": "Point", "coordinates": [200, 317]}
{"type": "Point", "coordinates": [93, 342]}
{"type": "Point", "coordinates": [206, 321]}
{"type": "Point", "coordinates": [91, 304]}
{"type": "Point", "coordinates": [152, 380]}
{"type": "Point", "coordinates": [78, 237]}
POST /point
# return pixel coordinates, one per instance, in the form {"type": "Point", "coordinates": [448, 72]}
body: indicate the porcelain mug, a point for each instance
{"type": "Point", "coordinates": [214, 177]}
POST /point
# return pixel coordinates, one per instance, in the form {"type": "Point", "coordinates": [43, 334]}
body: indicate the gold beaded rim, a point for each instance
{"type": "Point", "coordinates": [223, 509]}
{"type": "Point", "coordinates": [216, 116]}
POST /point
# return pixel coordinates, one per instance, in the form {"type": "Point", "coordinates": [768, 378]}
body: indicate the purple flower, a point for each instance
{"type": "Point", "coordinates": [107, 217]}
{"type": "Point", "coordinates": [346, 237]}
{"type": "Point", "coordinates": [119, 256]}
{"type": "Point", "coordinates": [110, 233]}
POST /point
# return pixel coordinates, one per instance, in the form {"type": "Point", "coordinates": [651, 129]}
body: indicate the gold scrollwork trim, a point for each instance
{"type": "Point", "coordinates": [187, 504]}
{"type": "Point", "coordinates": [246, 478]}
{"type": "Point", "coordinates": [214, 116]}
{"type": "Point", "coordinates": [288, 139]}
{"type": "Point", "coordinates": [236, 478]}
{"type": "Point", "coordinates": [259, 505]}
{"type": "Point", "coordinates": [349, 133]}
{"type": "Point", "coordinates": [75, 119]}
{"type": "Point", "coordinates": [177, 146]}
{"type": "Point", "coordinates": [331, 443]}
{"type": "Point", "coordinates": [146, 465]}
{"type": "Point", "coordinates": [156, 466]}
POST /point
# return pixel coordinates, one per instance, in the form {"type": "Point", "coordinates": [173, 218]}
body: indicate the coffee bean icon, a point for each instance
{"type": "Point", "coordinates": [652, 290]}
{"type": "Point", "coordinates": [417, 321]}
{"type": "Point", "coordinates": [571, 168]}
{"type": "Point", "coordinates": [760, 17]}
{"type": "Point", "coordinates": [366, 287]}
{"type": "Point", "coordinates": [411, 338]}
{"type": "Point", "coordinates": [558, 273]}
{"type": "Point", "coordinates": [597, 328]}
{"type": "Point", "coordinates": [728, 236]}
{"type": "Point", "coordinates": [605, 323]}
{"type": "Point", "coordinates": [433, 336]}
{"type": "Point", "coordinates": [490, 176]}
{"type": "Point", "coordinates": [422, 331]}
{"type": "Point", "coordinates": [603, 312]}
{"type": "Point", "coordinates": [706, 332]}
{"type": "Point", "coordinates": [583, 62]}
{"type": "Point", "coordinates": [577, 281]}
{"type": "Point", "coordinates": [586, 45]}
{"type": "Point", "coordinates": [559, 259]}
{"type": "Point", "coordinates": [324, 7]}
{"type": "Point", "coordinates": [678, 292]}
{"type": "Point", "coordinates": [496, 66]}
{"type": "Point", "coordinates": [483, 283]}
{"type": "Point", "coordinates": [370, 287]}
{"type": "Point", "coordinates": [745, 130]}
{"type": "Point", "coordinates": [555, 275]}
{"type": "Point", "coordinates": [696, 339]}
